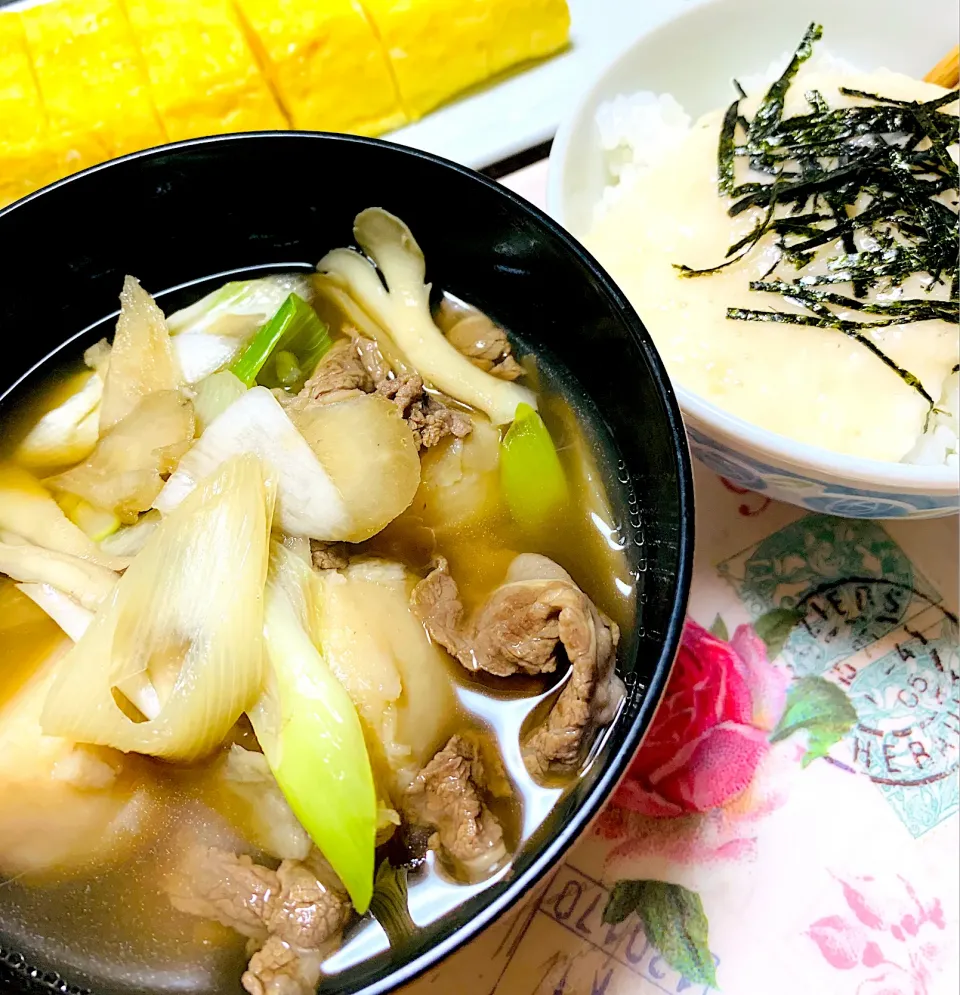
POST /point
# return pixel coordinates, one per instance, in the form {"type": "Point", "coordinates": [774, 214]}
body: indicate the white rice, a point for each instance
{"type": "Point", "coordinates": [638, 129]}
{"type": "Point", "coordinates": [635, 133]}
{"type": "Point", "coordinates": [939, 444]}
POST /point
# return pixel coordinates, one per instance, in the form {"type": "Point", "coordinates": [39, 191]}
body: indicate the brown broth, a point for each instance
{"type": "Point", "coordinates": [27, 638]}
{"type": "Point", "coordinates": [56, 387]}
{"type": "Point", "coordinates": [117, 923]}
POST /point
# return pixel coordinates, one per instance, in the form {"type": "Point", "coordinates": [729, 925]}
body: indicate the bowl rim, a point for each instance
{"type": "Point", "coordinates": [552, 851]}
{"type": "Point", "coordinates": [910, 478]}
{"type": "Point", "coordinates": [907, 477]}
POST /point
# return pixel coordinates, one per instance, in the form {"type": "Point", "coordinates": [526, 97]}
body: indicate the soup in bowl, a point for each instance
{"type": "Point", "coordinates": [339, 584]}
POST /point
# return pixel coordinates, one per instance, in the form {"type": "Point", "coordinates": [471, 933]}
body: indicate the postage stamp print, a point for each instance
{"type": "Point", "coordinates": [869, 620]}
{"type": "Point", "coordinates": [852, 582]}
{"type": "Point", "coordinates": [595, 958]}
{"type": "Point", "coordinates": [907, 740]}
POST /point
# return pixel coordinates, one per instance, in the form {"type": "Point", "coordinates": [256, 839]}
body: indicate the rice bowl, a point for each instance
{"type": "Point", "coordinates": [629, 122]}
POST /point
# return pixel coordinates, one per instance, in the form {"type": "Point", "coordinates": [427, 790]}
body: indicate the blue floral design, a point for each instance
{"type": "Point", "coordinates": [857, 507]}
{"type": "Point", "coordinates": [817, 495]}
{"type": "Point", "coordinates": [733, 471]}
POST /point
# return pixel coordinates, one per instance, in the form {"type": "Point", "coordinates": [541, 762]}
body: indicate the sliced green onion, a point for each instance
{"type": "Point", "coordinates": [215, 394]}
{"type": "Point", "coordinates": [256, 299]}
{"type": "Point", "coordinates": [285, 363]}
{"type": "Point", "coordinates": [308, 729]}
{"type": "Point", "coordinates": [97, 523]}
{"type": "Point", "coordinates": [531, 477]}
{"type": "Point", "coordinates": [294, 336]}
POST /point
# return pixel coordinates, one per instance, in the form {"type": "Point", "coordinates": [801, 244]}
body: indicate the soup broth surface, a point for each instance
{"type": "Point", "coordinates": [101, 910]}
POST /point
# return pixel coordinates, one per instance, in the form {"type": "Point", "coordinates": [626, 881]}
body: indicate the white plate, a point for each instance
{"type": "Point", "coordinates": [525, 109]}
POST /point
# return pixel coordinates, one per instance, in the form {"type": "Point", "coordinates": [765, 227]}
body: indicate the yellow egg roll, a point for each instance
{"type": "Point", "coordinates": [325, 63]}
{"type": "Point", "coordinates": [203, 77]}
{"type": "Point", "coordinates": [91, 81]}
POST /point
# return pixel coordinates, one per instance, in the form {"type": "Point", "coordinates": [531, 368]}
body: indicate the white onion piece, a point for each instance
{"type": "Point", "coordinates": [200, 355]}
{"type": "Point", "coordinates": [308, 503]}
{"type": "Point", "coordinates": [74, 619]}
{"type": "Point", "coordinates": [28, 509]}
{"type": "Point", "coordinates": [187, 617]}
{"type": "Point", "coordinates": [128, 540]}
{"type": "Point", "coordinates": [255, 299]}
{"type": "Point", "coordinates": [214, 394]}
{"type": "Point", "coordinates": [68, 433]}
{"type": "Point", "coordinates": [70, 615]}
{"type": "Point", "coordinates": [86, 582]}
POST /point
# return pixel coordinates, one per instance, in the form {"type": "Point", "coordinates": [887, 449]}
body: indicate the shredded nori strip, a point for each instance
{"type": "Point", "coordinates": [816, 101]}
{"type": "Point", "coordinates": [725, 150]}
{"type": "Point", "coordinates": [868, 180]}
{"type": "Point", "coordinates": [903, 310]}
{"type": "Point", "coordinates": [770, 111]}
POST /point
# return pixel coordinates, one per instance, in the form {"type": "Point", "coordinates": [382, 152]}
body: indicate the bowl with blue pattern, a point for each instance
{"type": "Point", "coordinates": [811, 477]}
{"type": "Point", "coordinates": [715, 37]}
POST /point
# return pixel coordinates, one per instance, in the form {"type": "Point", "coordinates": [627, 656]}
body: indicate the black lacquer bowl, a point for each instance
{"type": "Point", "coordinates": [182, 213]}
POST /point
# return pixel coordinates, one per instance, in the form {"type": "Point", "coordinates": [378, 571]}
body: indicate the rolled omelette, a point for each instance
{"type": "Point", "coordinates": [91, 81]}
{"type": "Point", "coordinates": [203, 76]}
{"type": "Point", "coordinates": [82, 81]}
{"type": "Point", "coordinates": [325, 63]}
{"type": "Point", "coordinates": [439, 48]}
{"type": "Point", "coordinates": [27, 159]}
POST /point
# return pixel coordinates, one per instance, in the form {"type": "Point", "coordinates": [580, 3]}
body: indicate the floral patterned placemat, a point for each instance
{"type": "Point", "coordinates": [790, 825]}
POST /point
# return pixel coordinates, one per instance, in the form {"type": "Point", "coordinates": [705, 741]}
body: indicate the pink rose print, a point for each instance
{"type": "Point", "coordinates": [841, 944]}
{"type": "Point", "coordinates": [689, 850]}
{"type": "Point", "coordinates": [706, 775]}
{"type": "Point", "coordinates": [709, 735]}
{"type": "Point", "coordinates": [887, 937]}
{"type": "Point", "coordinates": [719, 757]}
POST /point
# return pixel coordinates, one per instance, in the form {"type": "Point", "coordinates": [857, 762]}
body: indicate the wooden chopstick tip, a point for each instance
{"type": "Point", "coordinates": [947, 71]}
